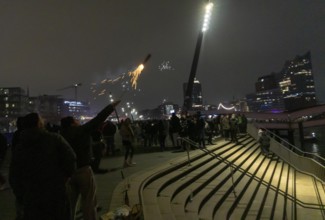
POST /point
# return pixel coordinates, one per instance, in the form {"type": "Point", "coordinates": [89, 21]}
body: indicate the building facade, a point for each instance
{"type": "Point", "coordinates": [297, 83]}
{"type": "Point", "coordinates": [14, 103]}
{"type": "Point", "coordinates": [268, 96]}
{"type": "Point", "coordinates": [197, 99]}
{"type": "Point", "coordinates": [290, 89]}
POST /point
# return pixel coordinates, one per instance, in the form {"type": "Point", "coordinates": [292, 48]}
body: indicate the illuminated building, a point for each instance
{"type": "Point", "coordinates": [48, 106]}
{"type": "Point", "coordinates": [162, 111]}
{"type": "Point", "coordinates": [293, 88]}
{"type": "Point", "coordinates": [167, 109]}
{"type": "Point", "coordinates": [268, 96]}
{"type": "Point", "coordinates": [197, 100]}
{"type": "Point", "coordinates": [13, 102]}
{"type": "Point", "coordinates": [75, 108]}
{"type": "Point", "coordinates": [297, 83]}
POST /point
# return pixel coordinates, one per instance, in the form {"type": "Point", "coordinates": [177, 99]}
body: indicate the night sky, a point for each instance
{"type": "Point", "coordinates": [48, 45]}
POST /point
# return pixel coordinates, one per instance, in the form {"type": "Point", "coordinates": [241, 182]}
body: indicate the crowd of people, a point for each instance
{"type": "Point", "coordinates": [196, 127]}
{"type": "Point", "coordinates": [53, 166]}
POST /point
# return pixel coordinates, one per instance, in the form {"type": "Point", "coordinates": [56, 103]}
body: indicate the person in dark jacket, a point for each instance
{"type": "Point", "coordinates": [3, 150]}
{"type": "Point", "coordinates": [162, 133]}
{"type": "Point", "coordinates": [99, 149]}
{"type": "Point", "coordinates": [3, 147]}
{"type": "Point", "coordinates": [183, 133]}
{"type": "Point", "coordinates": [16, 135]}
{"type": "Point", "coordinates": [233, 122]}
{"type": "Point", "coordinates": [174, 128]}
{"type": "Point", "coordinates": [82, 182]}
{"type": "Point", "coordinates": [200, 129]}
{"type": "Point", "coordinates": [264, 141]}
{"type": "Point", "coordinates": [14, 143]}
{"type": "Point", "coordinates": [109, 129]}
{"type": "Point", "coordinates": [41, 165]}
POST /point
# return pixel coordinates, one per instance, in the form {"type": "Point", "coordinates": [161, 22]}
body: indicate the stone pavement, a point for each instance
{"type": "Point", "coordinates": [106, 183]}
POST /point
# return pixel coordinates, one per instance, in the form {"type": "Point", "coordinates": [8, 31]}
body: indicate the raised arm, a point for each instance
{"type": "Point", "coordinates": [100, 117]}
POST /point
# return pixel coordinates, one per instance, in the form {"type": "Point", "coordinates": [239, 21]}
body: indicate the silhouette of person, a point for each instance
{"type": "Point", "coordinates": [127, 135]}
{"type": "Point", "coordinates": [82, 182]}
{"type": "Point", "coordinates": [41, 165]}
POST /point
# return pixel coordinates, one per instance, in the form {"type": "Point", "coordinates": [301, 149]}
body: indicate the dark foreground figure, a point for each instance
{"type": "Point", "coordinates": [41, 165]}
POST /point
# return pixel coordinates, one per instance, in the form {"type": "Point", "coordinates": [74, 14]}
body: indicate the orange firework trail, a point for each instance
{"type": "Point", "coordinates": [135, 75]}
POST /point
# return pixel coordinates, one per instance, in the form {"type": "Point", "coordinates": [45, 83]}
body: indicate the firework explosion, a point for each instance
{"type": "Point", "coordinates": [98, 90]}
{"type": "Point", "coordinates": [165, 65]}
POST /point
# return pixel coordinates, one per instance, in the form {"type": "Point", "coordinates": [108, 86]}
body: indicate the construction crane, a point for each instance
{"type": "Point", "coordinates": [73, 86]}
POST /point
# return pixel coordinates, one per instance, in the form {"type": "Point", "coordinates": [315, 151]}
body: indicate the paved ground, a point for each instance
{"type": "Point", "coordinates": [106, 183]}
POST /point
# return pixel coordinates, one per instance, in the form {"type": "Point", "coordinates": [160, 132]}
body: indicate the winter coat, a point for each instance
{"type": "Point", "coordinates": [41, 164]}
{"type": "Point", "coordinates": [126, 133]}
{"type": "Point", "coordinates": [264, 140]}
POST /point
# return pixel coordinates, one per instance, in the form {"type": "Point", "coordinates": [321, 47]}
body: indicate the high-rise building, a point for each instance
{"type": "Point", "coordinates": [13, 102]}
{"type": "Point", "coordinates": [268, 96]}
{"type": "Point", "coordinates": [75, 108]}
{"type": "Point", "coordinates": [197, 100]}
{"type": "Point", "coordinates": [297, 83]}
{"type": "Point", "coordinates": [292, 88]}
{"type": "Point", "coordinates": [48, 106]}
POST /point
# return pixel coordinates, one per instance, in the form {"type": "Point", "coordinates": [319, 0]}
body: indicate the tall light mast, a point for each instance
{"type": "Point", "coordinates": [188, 100]}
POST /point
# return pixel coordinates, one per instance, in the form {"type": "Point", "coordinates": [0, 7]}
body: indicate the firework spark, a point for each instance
{"type": "Point", "coordinates": [165, 65]}
{"type": "Point", "coordinates": [135, 75]}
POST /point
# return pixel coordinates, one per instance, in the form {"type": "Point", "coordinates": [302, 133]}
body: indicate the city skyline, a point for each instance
{"type": "Point", "coordinates": [47, 46]}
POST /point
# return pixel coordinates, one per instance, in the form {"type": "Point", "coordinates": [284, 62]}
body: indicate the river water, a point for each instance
{"type": "Point", "coordinates": [317, 146]}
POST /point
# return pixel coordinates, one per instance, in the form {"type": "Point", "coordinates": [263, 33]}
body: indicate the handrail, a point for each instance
{"type": "Point", "coordinates": [295, 149]}
{"type": "Point", "coordinates": [307, 162]}
{"type": "Point", "coordinates": [194, 144]}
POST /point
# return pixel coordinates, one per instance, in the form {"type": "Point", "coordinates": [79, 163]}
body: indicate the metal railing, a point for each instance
{"type": "Point", "coordinates": [304, 161]}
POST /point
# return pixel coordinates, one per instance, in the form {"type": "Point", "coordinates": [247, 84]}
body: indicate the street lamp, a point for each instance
{"type": "Point", "coordinates": [207, 16]}
{"type": "Point", "coordinates": [189, 89]}
{"type": "Point", "coordinates": [111, 97]}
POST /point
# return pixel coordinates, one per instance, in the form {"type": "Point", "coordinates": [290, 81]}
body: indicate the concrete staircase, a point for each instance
{"type": "Point", "coordinates": [227, 181]}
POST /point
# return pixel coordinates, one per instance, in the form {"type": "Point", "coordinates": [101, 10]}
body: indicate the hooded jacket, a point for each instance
{"type": "Point", "coordinates": [41, 163]}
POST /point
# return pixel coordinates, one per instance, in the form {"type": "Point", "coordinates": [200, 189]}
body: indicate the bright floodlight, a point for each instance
{"type": "Point", "coordinates": [207, 15]}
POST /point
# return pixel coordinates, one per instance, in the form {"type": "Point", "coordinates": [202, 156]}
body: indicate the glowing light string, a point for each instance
{"type": "Point", "coordinates": [226, 108]}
